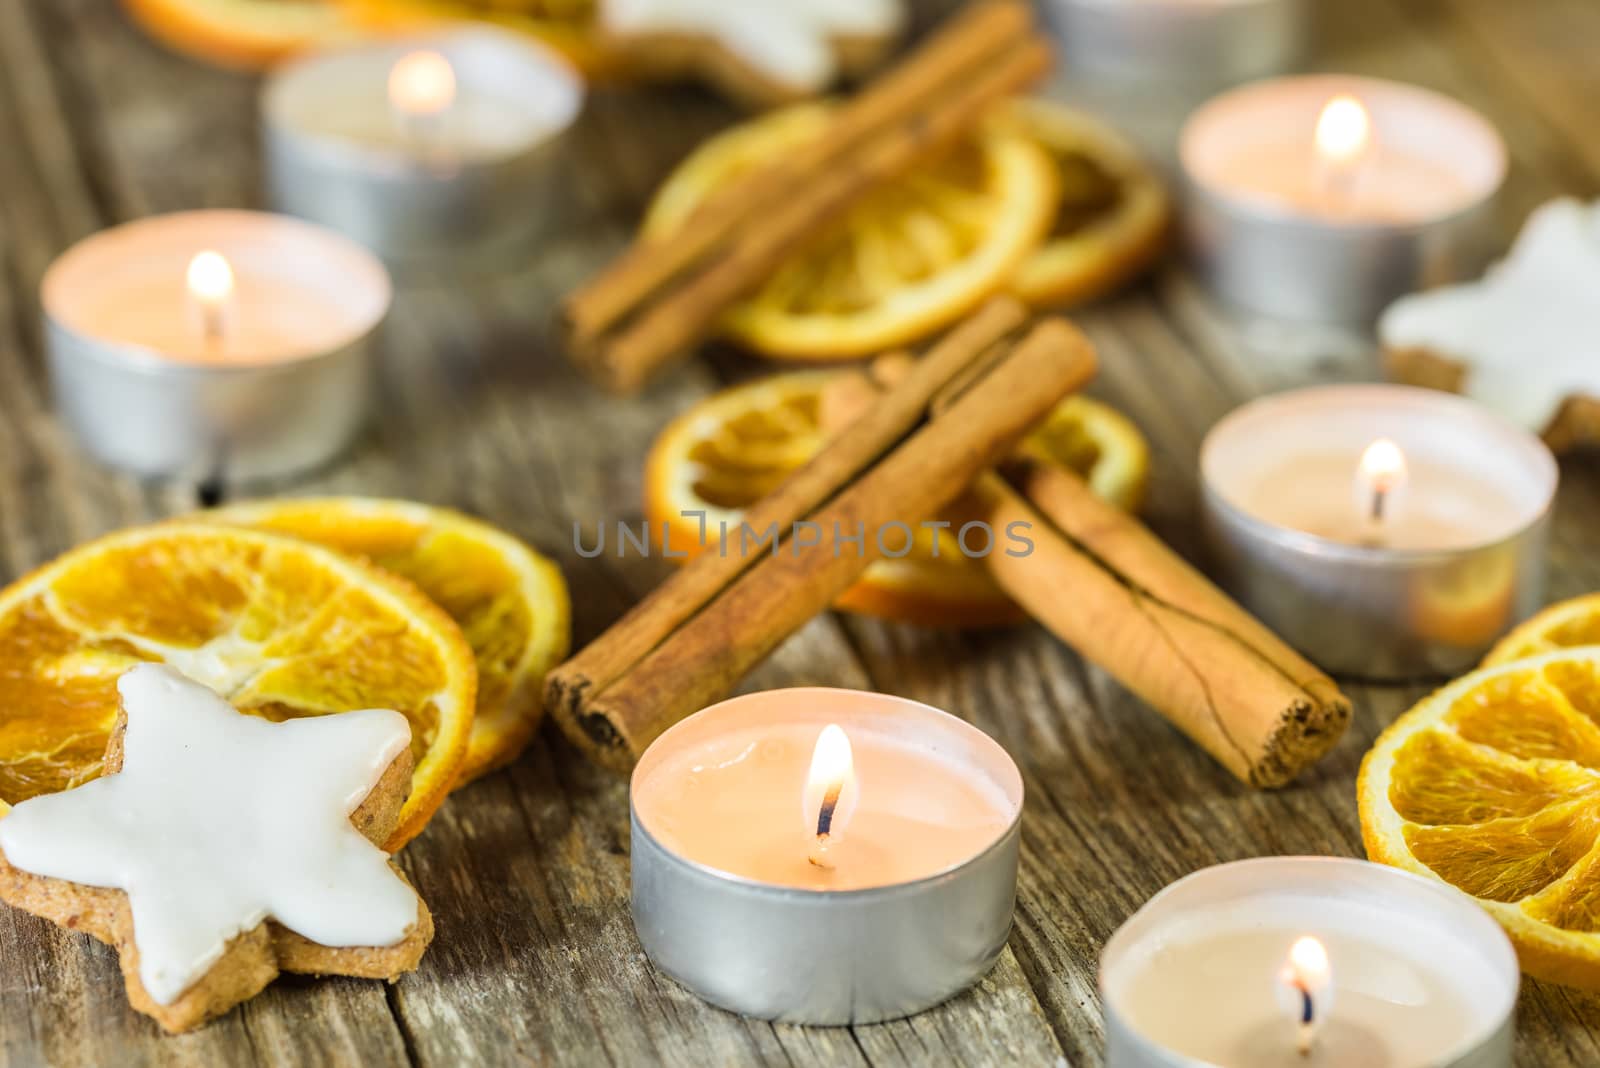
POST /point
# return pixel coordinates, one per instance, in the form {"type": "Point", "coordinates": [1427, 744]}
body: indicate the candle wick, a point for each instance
{"type": "Point", "coordinates": [830, 802]}
{"type": "Point", "coordinates": [211, 323]}
{"type": "Point", "coordinates": [1308, 1014]}
{"type": "Point", "coordinates": [1380, 497]}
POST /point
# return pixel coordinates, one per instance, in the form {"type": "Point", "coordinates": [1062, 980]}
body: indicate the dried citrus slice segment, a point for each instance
{"type": "Point", "coordinates": [278, 626]}
{"type": "Point", "coordinates": [1492, 785]}
{"type": "Point", "coordinates": [733, 448]}
{"type": "Point", "coordinates": [1112, 211]}
{"type": "Point", "coordinates": [254, 34]}
{"type": "Point", "coordinates": [1564, 625]}
{"type": "Point", "coordinates": [510, 602]}
{"type": "Point", "coordinates": [244, 34]}
{"type": "Point", "coordinates": [913, 256]}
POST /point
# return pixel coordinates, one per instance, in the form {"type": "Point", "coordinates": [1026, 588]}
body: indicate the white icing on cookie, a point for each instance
{"type": "Point", "coordinates": [788, 41]}
{"type": "Point", "coordinates": [1529, 330]}
{"type": "Point", "coordinates": [219, 820]}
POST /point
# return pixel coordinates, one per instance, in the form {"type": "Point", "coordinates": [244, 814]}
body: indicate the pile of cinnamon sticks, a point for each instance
{"type": "Point", "coordinates": [660, 298]}
{"type": "Point", "coordinates": [926, 440]}
{"type": "Point", "coordinates": [962, 407]}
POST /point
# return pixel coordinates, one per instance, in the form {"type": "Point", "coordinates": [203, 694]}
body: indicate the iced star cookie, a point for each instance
{"type": "Point", "coordinates": [1525, 338]}
{"type": "Point", "coordinates": [219, 849]}
{"type": "Point", "coordinates": [762, 52]}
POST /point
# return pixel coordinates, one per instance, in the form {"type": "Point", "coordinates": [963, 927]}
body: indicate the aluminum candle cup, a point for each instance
{"type": "Point", "coordinates": [1385, 531]}
{"type": "Point", "coordinates": [1192, 42]}
{"type": "Point", "coordinates": [1303, 210]}
{"type": "Point", "coordinates": [423, 147]}
{"type": "Point", "coordinates": [218, 345]}
{"type": "Point", "coordinates": [905, 902]}
{"type": "Point", "coordinates": [1222, 967]}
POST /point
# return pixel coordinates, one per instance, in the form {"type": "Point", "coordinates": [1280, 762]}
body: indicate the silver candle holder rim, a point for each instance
{"type": "Point", "coordinates": [1258, 210]}
{"type": "Point", "coordinates": [115, 352]}
{"type": "Point", "coordinates": [1379, 556]}
{"type": "Point", "coordinates": [884, 892]}
{"type": "Point", "coordinates": [335, 151]}
{"type": "Point", "coordinates": [1448, 897]}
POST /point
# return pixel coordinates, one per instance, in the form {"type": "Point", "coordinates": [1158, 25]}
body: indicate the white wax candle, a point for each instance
{"type": "Point", "coordinates": [924, 795]}
{"type": "Point", "coordinates": [1416, 974]}
{"type": "Point", "coordinates": [293, 290]}
{"type": "Point", "coordinates": [472, 96]}
{"type": "Point", "coordinates": [1423, 156]}
{"type": "Point", "coordinates": [1293, 461]}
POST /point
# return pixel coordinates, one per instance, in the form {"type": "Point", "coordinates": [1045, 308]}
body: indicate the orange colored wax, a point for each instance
{"type": "Point", "coordinates": [733, 802]}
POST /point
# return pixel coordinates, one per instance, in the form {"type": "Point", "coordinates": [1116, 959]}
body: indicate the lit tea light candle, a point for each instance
{"type": "Point", "coordinates": [892, 891]}
{"type": "Point", "coordinates": [1308, 962]}
{"type": "Point", "coordinates": [1324, 197]}
{"type": "Point", "coordinates": [1383, 530]}
{"type": "Point", "coordinates": [214, 345]}
{"type": "Point", "coordinates": [1193, 43]}
{"type": "Point", "coordinates": [1306, 986]}
{"type": "Point", "coordinates": [421, 148]}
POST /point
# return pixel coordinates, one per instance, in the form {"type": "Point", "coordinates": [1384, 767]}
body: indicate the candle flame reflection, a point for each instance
{"type": "Point", "coordinates": [829, 799]}
{"type": "Point", "coordinates": [210, 283]}
{"type": "Point", "coordinates": [422, 83]}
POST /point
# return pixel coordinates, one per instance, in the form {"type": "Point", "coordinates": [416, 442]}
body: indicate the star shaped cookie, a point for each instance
{"type": "Point", "coordinates": [1525, 338]}
{"type": "Point", "coordinates": [219, 849]}
{"type": "Point", "coordinates": [762, 52]}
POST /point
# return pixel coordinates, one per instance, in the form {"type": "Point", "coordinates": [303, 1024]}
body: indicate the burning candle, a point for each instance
{"type": "Point", "coordinates": [891, 892]}
{"type": "Point", "coordinates": [1308, 962]}
{"type": "Point", "coordinates": [215, 345]}
{"type": "Point", "coordinates": [1383, 530]}
{"type": "Point", "coordinates": [1205, 43]}
{"type": "Point", "coordinates": [1324, 197]}
{"type": "Point", "coordinates": [424, 147]}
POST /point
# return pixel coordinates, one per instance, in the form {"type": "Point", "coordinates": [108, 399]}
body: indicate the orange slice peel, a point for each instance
{"type": "Point", "coordinates": [1492, 785]}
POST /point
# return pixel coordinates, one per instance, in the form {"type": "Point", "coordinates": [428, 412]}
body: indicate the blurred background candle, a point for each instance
{"type": "Point", "coordinates": [1324, 197]}
{"type": "Point", "coordinates": [1385, 531]}
{"type": "Point", "coordinates": [213, 345]}
{"type": "Point", "coordinates": [824, 856]}
{"type": "Point", "coordinates": [1195, 43]}
{"type": "Point", "coordinates": [1308, 962]}
{"type": "Point", "coordinates": [422, 148]}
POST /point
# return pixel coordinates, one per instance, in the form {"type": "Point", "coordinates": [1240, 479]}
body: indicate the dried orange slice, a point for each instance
{"type": "Point", "coordinates": [510, 602]}
{"type": "Point", "coordinates": [1112, 211]}
{"type": "Point", "coordinates": [1492, 785]}
{"type": "Point", "coordinates": [1565, 625]}
{"type": "Point", "coordinates": [913, 256]}
{"type": "Point", "coordinates": [254, 34]}
{"type": "Point", "coordinates": [278, 626]}
{"type": "Point", "coordinates": [731, 449]}
{"type": "Point", "coordinates": [243, 34]}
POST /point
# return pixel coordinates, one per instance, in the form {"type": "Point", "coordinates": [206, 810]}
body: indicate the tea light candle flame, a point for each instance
{"type": "Point", "coordinates": [421, 84]}
{"type": "Point", "coordinates": [210, 283]}
{"type": "Point", "coordinates": [1380, 477]}
{"type": "Point", "coordinates": [830, 795]}
{"type": "Point", "coordinates": [1306, 984]}
{"type": "Point", "coordinates": [1343, 139]}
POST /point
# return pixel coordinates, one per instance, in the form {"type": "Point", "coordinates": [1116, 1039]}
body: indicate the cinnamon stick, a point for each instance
{"type": "Point", "coordinates": [571, 687]}
{"type": "Point", "coordinates": [972, 38]}
{"type": "Point", "coordinates": [1108, 587]}
{"type": "Point", "coordinates": [670, 308]}
{"type": "Point", "coordinates": [701, 660]}
{"type": "Point", "coordinates": [1104, 584]}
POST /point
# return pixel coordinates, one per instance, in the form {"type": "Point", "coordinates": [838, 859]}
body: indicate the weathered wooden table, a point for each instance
{"type": "Point", "coordinates": [527, 871]}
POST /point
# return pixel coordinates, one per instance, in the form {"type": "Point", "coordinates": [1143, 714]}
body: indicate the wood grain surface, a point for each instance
{"type": "Point", "coordinates": [527, 871]}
